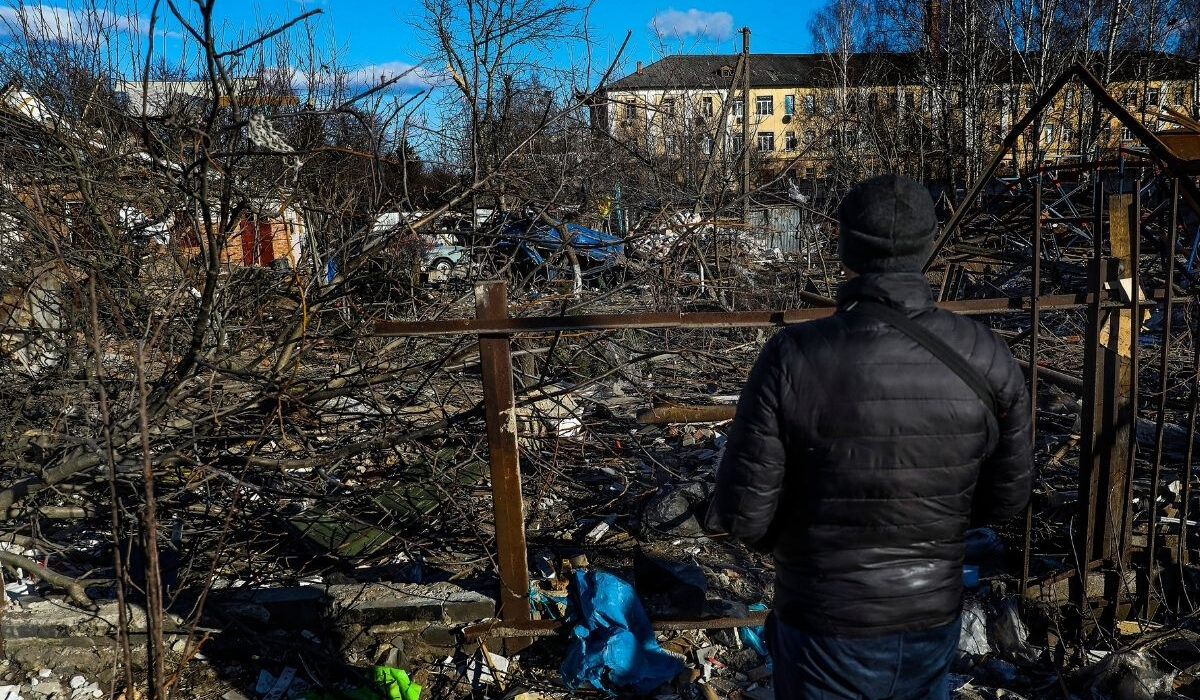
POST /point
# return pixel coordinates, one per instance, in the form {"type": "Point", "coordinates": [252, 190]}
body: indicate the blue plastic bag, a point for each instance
{"type": "Point", "coordinates": [981, 543]}
{"type": "Point", "coordinates": [755, 637]}
{"type": "Point", "coordinates": [613, 646]}
{"type": "Point", "coordinates": [970, 575]}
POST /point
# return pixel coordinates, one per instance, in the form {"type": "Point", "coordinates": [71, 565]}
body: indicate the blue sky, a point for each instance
{"type": "Point", "coordinates": [377, 33]}
{"type": "Point", "coordinates": [380, 38]}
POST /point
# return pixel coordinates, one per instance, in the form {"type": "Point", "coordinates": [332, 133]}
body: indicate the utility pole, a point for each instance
{"type": "Point", "coordinates": [745, 125]}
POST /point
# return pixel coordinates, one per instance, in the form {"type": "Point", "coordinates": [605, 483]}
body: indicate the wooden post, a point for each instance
{"type": "Point", "coordinates": [1107, 419]}
{"type": "Point", "coordinates": [495, 355]}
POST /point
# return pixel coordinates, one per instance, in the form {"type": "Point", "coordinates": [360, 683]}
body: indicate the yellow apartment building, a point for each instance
{"type": "Point", "coordinates": [807, 110]}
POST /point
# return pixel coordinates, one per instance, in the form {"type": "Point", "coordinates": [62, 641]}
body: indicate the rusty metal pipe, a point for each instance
{"type": "Point", "coordinates": [661, 415]}
{"type": "Point", "coordinates": [550, 628]}
{"type": "Point", "coordinates": [721, 319]}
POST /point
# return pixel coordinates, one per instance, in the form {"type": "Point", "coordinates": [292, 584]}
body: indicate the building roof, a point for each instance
{"type": "Point", "coordinates": [766, 70]}
{"type": "Point", "coordinates": [715, 71]}
{"type": "Point", "coordinates": [160, 94]}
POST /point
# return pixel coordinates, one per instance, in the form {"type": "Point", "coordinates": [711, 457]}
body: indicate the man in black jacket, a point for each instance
{"type": "Point", "coordinates": [858, 458]}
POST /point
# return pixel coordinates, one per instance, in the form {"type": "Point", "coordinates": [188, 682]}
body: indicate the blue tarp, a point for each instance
{"type": "Point", "coordinates": [613, 646]}
{"type": "Point", "coordinates": [590, 244]}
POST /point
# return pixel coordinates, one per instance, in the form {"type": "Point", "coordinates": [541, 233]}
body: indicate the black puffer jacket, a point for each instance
{"type": "Point", "coordinates": [859, 459]}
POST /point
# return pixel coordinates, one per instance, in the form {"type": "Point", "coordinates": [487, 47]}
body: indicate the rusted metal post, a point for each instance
{"type": "Point", "coordinates": [1034, 323]}
{"type": "Point", "coordinates": [1160, 424]}
{"type": "Point", "coordinates": [746, 125]}
{"type": "Point", "coordinates": [1193, 409]}
{"type": "Point", "coordinates": [1091, 474]}
{"type": "Point", "coordinates": [495, 357]}
{"type": "Point", "coordinates": [1089, 463]}
{"type": "Point", "coordinates": [1131, 320]}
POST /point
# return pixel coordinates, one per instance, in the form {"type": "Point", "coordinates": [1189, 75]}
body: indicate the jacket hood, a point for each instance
{"type": "Point", "coordinates": [909, 291]}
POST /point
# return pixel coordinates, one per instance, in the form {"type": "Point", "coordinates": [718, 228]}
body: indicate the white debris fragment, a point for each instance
{"type": "Point", "coordinates": [973, 639]}
{"type": "Point", "coordinates": [15, 589]}
{"type": "Point", "coordinates": [480, 672]}
{"type": "Point", "coordinates": [85, 690]}
{"type": "Point", "coordinates": [601, 529]}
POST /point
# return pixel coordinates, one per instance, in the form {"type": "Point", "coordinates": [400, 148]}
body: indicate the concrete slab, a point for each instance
{"type": "Point", "coordinates": [53, 619]}
{"type": "Point", "coordinates": [383, 603]}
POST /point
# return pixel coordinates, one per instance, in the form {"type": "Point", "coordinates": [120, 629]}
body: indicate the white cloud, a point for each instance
{"type": "Point", "coordinates": [699, 23]}
{"type": "Point", "coordinates": [407, 75]}
{"type": "Point", "coordinates": [50, 23]}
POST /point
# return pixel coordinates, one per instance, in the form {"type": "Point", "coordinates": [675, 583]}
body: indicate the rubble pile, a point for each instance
{"type": "Point", "coordinates": [310, 500]}
{"type": "Point", "coordinates": [380, 559]}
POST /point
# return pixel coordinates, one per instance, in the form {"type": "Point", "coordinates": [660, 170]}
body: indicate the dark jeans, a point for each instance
{"type": "Point", "coordinates": [909, 666]}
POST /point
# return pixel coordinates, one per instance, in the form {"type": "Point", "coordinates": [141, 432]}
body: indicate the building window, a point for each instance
{"type": "Point", "coordinates": [764, 105]}
{"type": "Point", "coordinates": [810, 173]}
{"type": "Point", "coordinates": [1129, 97]}
{"type": "Point", "coordinates": [810, 104]}
{"type": "Point", "coordinates": [706, 106]}
{"type": "Point", "coordinates": [1047, 134]}
{"type": "Point", "coordinates": [789, 140]}
{"type": "Point", "coordinates": [630, 110]}
{"type": "Point", "coordinates": [726, 72]}
{"type": "Point", "coordinates": [766, 141]}
{"type": "Point", "coordinates": [809, 137]}
{"type": "Point", "coordinates": [1030, 99]}
{"type": "Point", "coordinates": [789, 105]}
{"type": "Point", "coordinates": [852, 103]}
{"type": "Point", "coordinates": [998, 99]}
{"type": "Point", "coordinates": [1152, 96]}
{"type": "Point", "coordinates": [707, 145]}
{"type": "Point", "coordinates": [668, 106]}
{"type": "Point", "coordinates": [1178, 96]}
{"type": "Point", "coordinates": [1069, 99]}
{"type": "Point", "coordinates": [1126, 134]}
{"type": "Point", "coordinates": [739, 109]}
{"type": "Point", "coordinates": [1068, 135]}
{"type": "Point", "coordinates": [735, 143]}
{"type": "Point", "coordinates": [910, 99]}
{"type": "Point", "coordinates": [672, 144]}
{"type": "Point", "coordinates": [830, 103]}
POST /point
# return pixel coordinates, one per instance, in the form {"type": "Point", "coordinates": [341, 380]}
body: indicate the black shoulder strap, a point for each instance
{"type": "Point", "coordinates": [935, 345]}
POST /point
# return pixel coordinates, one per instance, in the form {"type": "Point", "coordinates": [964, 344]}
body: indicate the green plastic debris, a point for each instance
{"type": "Point", "coordinates": [386, 683]}
{"type": "Point", "coordinates": [395, 684]}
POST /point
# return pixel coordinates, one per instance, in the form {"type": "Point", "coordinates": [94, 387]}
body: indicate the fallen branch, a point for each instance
{"type": "Point", "coordinates": [72, 587]}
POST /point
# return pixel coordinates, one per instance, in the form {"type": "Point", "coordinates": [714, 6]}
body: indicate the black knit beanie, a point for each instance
{"type": "Point", "coordinates": [887, 225]}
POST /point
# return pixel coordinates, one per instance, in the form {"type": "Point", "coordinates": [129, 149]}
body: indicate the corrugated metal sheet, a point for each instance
{"type": "Point", "coordinates": [784, 228]}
